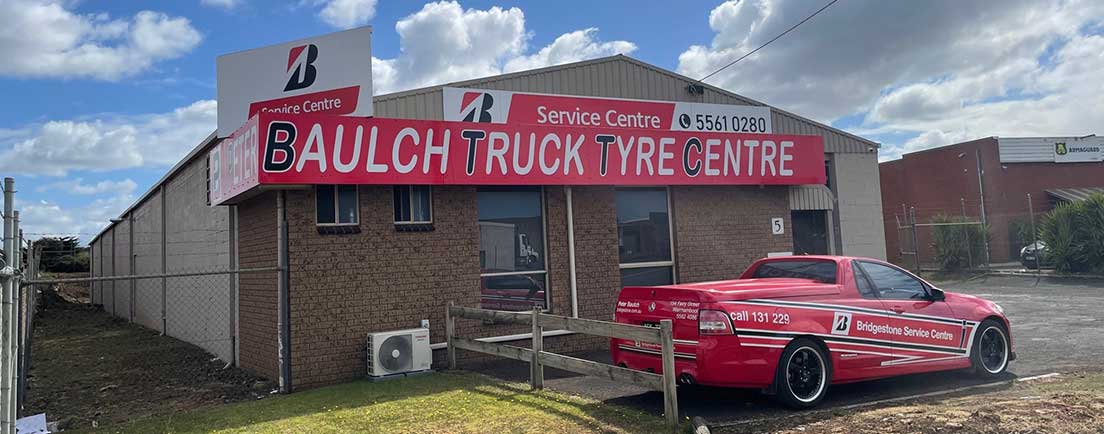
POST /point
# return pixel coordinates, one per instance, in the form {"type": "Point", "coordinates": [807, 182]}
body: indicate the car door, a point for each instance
{"type": "Point", "coordinates": [857, 354]}
{"type": "Point", "coordinates": [923, 327]}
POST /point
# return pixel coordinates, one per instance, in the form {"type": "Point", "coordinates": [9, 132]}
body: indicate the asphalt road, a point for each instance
{"type": "Point", "coordinates": [1056, 327]}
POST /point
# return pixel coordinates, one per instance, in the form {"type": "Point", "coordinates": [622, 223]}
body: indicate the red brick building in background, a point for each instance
{"type": "Point", "coordinates": [946, 180]}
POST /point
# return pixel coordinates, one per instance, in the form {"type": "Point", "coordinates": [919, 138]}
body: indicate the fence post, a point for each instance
{"type": "Point", "coordinates": [536, 370]}
{"type": "Point", "coordinates": [17, 326]}
{"type": "Point", "coordinates": [966, 231]}
{"type": "Point", "coordinates": [7, 425]}
{"type": "Point", "coordinates": [450, 332]}
{"type": "Point", "coordinates": [915, 239]}
{"type": "Point", "coordinates": [670, 393]}
{"type": "Point", "coordinates": [164, 265]}
{"type": "Point", "coordinates": [1034, 234]}
{"type": "Point", "coordinates": [132, 259]}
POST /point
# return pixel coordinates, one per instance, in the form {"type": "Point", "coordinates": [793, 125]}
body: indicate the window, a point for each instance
{"type": "Point", "coordinates": [336, 205]}
{"type": "Point", "coordinates": [511, 248]}
{"type": "Point", "coordinates": [413, 204]}
{"type": "Point", "coordinates": [820, 271]}
{"type": "Point", "coordinates": [892, 283]}
{"type": "Point", "coordinates": [861, 282]}
{"type": "Point", "coordinates": [644, 237]}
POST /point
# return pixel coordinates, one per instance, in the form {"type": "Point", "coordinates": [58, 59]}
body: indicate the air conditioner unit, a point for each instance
{"type": "Point", "coordinates": [399, 352]}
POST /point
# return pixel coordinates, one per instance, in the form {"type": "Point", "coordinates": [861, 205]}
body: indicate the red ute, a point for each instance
{"type": "Point", "coordinates": [793, 325]}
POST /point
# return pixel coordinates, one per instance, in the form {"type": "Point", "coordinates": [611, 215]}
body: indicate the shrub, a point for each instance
{"type": "Point", "coordinates": [957, 246]}
{"type": "Point", "coordinates": [1092, 232]}
{"type": "Point", "coordinates": [1062, 231]}
{"type": "Point", "coordinates": [1019, 235]}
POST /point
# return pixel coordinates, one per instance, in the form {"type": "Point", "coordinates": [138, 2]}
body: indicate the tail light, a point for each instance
{"type": "Point", "coordinates": [713, 322]}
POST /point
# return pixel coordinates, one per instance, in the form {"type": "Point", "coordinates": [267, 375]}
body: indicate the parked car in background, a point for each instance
{"type": "Point", "coordinates": [1035, 254]}
{"type": "Point", "coordinates": [792, 326]}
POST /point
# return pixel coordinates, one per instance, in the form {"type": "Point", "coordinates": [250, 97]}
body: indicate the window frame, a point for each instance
{"type": "Point", "coordinates": [670, 235]}
{"type": "Point", "coordinates": [410, 197]}
{"type": "Point", "coordinates": [924, 286]}
{"type": "Point", "coordinates": [337, 206]}
{"type": "Point", "coordinates": [860, 274]}
{"type": "Point", "coordinates": [544, 250]}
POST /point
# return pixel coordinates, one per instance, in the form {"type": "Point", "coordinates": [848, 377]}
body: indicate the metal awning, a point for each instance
{"type": "Point", "coordinates": [1074, 194]}
{"type": "Point", "coordinates": [811, 197]}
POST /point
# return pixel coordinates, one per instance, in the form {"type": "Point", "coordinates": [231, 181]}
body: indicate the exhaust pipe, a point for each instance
{"type": "Point", "coordinates": [686, 379]}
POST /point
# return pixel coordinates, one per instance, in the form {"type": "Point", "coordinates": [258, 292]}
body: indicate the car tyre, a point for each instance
{"type": "Point", "coordinates": [803, 374]}
{"type": "Point", "coordinates": [990, 353]}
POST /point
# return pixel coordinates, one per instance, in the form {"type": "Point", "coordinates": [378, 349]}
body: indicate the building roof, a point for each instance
{"type": "Point", "coordinates": [1074, 194]}
{"type": "Point", "coordinates": [567, 79]}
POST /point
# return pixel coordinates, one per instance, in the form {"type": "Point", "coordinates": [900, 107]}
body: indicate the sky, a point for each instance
{"type": "Point", "coordinates": [103, 97]}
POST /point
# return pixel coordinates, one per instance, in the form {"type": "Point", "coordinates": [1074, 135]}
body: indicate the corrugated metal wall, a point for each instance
{"type": "Point", "coordinates": [1029, 149]}
{"type": "Point", "coordinates": [811, 197]}
{"type": "Point", "coordinates": [614, 77]}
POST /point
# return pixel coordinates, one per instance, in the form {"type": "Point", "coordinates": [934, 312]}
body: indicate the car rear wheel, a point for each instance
{"type": "Point", "coordinates": [803, 374]}
{"type": "Point", "coordinates": [990, 354]}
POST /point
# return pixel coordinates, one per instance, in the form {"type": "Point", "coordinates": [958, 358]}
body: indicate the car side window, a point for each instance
{"type": "Point", "coordinates": [861, 282]}
{"type": "Point", "coordinates": [891, 283]}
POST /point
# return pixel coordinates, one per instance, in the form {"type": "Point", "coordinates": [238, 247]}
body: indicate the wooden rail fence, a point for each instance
{"type": "Point", "coordinates": [538, 358]}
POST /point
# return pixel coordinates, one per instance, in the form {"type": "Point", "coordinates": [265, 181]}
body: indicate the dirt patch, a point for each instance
{"type": "Point", "coordinates": [75, 292]}
{"type": "Point", "coordinates": [91, 369]}
{"type": "Point", "coordinates": [1066, 404]}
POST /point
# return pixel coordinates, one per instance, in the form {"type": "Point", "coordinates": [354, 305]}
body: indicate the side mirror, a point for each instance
{"type": "Point", "coordinates": [936, 294]}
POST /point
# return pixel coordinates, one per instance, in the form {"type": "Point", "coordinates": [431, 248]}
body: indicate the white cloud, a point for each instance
{"type": "Point", "coordinates": [109, 142]}
{"type": "Point", "coordinates": [443, 42]}
{"type": "Point", "coordinates": [346, 14]}
{"type": "Point", "coordinates": [225, 4]}
{"type": "Point", "coordinates": [941, 73]}
{"type": "Point", "coordinates": [570, 47]}
{"type": "Point", "coordinates": [77, 186]}
{"type": "Point", "coordinates": [49, 218]}
{"type": "Point", "coordinates": [42, 38]}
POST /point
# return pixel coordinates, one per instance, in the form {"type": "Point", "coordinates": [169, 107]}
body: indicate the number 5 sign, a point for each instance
{"type": "Point", "coordinates": [777, 226]}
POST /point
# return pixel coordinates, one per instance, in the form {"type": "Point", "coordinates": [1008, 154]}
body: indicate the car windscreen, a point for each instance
{"type": "Point", "coordinates": [820, 271]}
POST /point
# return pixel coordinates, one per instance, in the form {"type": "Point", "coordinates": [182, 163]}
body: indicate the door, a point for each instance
{"type": "Point", "coordinates": [810, 232]}
{"type": "Point", "coordinates": [856, 353]}
{"type": "Point", "coordinates": [924, 330]}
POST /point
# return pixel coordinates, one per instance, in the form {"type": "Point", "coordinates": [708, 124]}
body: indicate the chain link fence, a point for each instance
{"type": "Point", "coordinates": [967, 235]}
{"type": "Point", "coordinates": [100, 320]}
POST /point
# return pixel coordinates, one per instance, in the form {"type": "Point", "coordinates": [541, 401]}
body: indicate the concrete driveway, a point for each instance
{"type": "Point", "coordinates": [1056, 327]}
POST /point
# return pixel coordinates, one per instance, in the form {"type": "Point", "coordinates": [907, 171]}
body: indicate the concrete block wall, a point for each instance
{"type": "Point", "coordinates": [859, 201]}
{"type": "Point", "coordinates": [198, 309]}
{"type": "Point", "coordinates": [147, 260]}
{"type": "Point", "coordinates": [107, 240]}
{"type": "Point", "coordinates": [122, 268]}
{"type": "Point", "coordinates": [95, 291]}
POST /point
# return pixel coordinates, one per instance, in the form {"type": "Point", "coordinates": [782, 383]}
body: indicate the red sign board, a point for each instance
{"type": "Point", "coordinates": [232, 165]}
{"type": "Point", "coordinates": [506, 107]}
{"type": "Point", "coordinates": [320, 149]}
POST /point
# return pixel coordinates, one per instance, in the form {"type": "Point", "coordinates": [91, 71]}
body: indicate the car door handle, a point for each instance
{"type": "Point", "coordinates": [897, 309]}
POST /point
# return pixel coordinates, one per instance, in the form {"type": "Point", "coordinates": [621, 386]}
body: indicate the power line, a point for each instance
{"type": "Point", "coordinates": [769, 42]}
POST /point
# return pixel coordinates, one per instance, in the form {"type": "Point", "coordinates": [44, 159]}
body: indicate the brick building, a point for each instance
{"type": "Point", "coordinates": [368, 258]}
{"type": "Point", "coordinates": [950, 179]}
